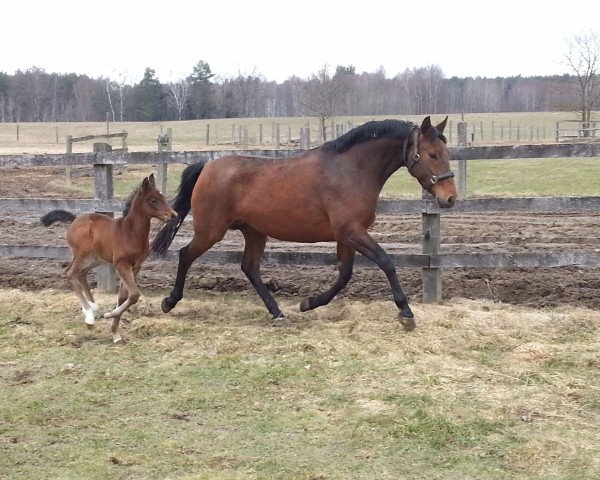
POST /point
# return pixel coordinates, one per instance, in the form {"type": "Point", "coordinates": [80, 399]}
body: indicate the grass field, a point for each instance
{"type": "Point", "coordinates": [479, 390]}
{"type": "Point", "coordinates": [191, 135]}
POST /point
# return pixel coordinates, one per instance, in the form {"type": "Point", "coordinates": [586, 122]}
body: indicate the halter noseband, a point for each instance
{"type": "Point", "coordinates": [411, 160]}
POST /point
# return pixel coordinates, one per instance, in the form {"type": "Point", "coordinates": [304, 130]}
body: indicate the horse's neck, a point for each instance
{"type": "Point", "coordinates": [381, 162]}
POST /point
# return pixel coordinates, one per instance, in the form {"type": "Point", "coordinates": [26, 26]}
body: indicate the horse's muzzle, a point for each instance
{"type": "Point", "coordinates": [446, 203]}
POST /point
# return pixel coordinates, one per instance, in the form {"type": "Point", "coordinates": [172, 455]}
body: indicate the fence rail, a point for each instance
{"type": "Point", "coordinates": [431, 260]}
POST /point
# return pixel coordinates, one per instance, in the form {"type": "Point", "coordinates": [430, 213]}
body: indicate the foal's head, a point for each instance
{"type": "Point", "coordinates": [148, 200]}
{"type": "Point", "coordinates": [429, 162]}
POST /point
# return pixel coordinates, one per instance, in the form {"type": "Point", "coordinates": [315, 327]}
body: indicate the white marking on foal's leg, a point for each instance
{"type": "Point", "coordinates": [89, 317]}
{"type": "Point", "coordinates": [94, 306]}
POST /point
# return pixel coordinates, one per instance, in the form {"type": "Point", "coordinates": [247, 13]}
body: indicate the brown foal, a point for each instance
{"type": "Point", "coordinates": [95, 238]}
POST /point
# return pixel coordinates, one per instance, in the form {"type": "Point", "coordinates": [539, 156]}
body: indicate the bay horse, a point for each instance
{"type": "Point", "coordinates": [328, 193]}
{"type": "Point", "coordinates": [95, 238]}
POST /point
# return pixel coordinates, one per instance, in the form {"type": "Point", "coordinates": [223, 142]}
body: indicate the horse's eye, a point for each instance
{"type": "Point", "coordinates": [153, 201]}
{"type": "Point", "coordinates": [433, 155]}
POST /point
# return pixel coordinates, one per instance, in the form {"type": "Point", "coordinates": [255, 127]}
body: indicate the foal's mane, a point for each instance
{"type": "Point", "coordinates": [129, 201]}
{"type": "Point", "coordinates": [398, 129]}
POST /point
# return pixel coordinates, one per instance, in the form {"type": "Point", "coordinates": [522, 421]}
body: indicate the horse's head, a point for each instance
{"type": "Point", "coordinates": [154, 202]}
{"type": "Point", "coordinates": [428, 160]}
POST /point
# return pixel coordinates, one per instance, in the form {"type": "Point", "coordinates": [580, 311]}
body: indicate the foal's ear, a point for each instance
{"type": "Point", "coordinates": [148, 182]}
{"type": "Point", "coordinates": [440, 126]}
{"type": "Point", "coordinates": [426, 126]}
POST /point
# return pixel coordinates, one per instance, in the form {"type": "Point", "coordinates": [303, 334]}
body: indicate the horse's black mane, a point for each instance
{"type": "Point", "coordinates": [399, 129]}
{"type": "Point", "coordinates": [375, 129]}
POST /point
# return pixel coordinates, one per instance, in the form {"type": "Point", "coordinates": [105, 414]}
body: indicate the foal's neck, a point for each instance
{"type": "Point", "coordinates": [137, 221]}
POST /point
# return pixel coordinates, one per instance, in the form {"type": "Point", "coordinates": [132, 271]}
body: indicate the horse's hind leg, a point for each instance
{"type": "Point", "coordinates": [72, 272]}
{"type": "Point", "coordinates": [187, 255]}
{"type": "Point", "coordinates": [345, 256]}
{"type": "Point", "coordinates": [253, 252]}
{"type": "Point", "coordinates": [359, 239]}
{"type": "Point", "coordinates": [85, 287]}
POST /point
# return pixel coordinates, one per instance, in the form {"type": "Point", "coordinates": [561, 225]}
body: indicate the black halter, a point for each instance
{"type": "Point", "coordinates": [411, 160]}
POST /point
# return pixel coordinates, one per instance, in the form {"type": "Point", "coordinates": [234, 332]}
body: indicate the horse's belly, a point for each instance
{"type": "Point", "coordinates": [294, 230]}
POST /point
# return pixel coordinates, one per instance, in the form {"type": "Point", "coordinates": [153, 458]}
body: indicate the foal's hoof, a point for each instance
{"type": "Point", "coordinates": [281, 321]}
{"type": "Point", "coordinates": [408, 323]}
{"type": "Point", "coordinates": [165, 307]}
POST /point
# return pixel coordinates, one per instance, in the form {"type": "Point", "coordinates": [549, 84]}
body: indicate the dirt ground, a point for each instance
{"type": "Point", "coordinates": [461, 233]}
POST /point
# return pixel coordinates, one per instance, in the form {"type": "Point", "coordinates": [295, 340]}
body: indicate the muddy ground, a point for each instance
{"type": "Point", "coordinates": [536, 287]}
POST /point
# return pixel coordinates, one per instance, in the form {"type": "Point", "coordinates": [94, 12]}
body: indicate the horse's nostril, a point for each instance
{"type": "Point", "coordinates": [451, 201]}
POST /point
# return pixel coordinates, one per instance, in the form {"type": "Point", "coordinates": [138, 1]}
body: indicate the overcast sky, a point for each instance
{"type": "Point", "coordinates": [278, 39]}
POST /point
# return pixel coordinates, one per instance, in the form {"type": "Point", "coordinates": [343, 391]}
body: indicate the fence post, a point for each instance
{"type": "Point", "coordinates": [305, 138]}
{"type": "Point", "coordinates": [207, 133]}
{"type": "Point", "coordinates": [69, 150]}
{"type": "Point", "coordinates": [462, 164]}
{"type": "Point", "coordinates": [106, 276]}
{"type": "Point", "coordinates": [432, 277]}
{"type": "Point", "coordinates": [164, 145]}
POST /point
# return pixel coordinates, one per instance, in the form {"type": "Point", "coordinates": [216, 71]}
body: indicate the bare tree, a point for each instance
{"type": "Point", "coordinates": [583, 57]}
{"type": "Point", "coordinates": [108, 85]}
{"type": "Point", "coordinates": [178, 95]}
{"type": "Point", "coordinates": [318, 96]}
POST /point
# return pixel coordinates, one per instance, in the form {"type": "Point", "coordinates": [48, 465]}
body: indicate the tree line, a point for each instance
{"type": "Point", "coordinates": [37, 96]}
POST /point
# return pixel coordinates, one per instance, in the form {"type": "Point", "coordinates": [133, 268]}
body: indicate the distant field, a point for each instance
{"type": "Point", "coordinates": [191, 135]}
{"type": "Point", "coordinates": [532, 177]}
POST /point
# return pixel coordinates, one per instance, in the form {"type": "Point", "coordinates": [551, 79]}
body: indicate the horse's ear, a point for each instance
{"type": "Point", "coordinates": [145, 183]}
{"type": "Point", "coordinates": [426, 125]}
{"type": "Point", "coordinates": [440, 126]}
{"type": "Point", "coordinates": [151, 180]}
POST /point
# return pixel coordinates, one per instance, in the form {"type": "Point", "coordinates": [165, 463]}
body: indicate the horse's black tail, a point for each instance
{"type": "Point", "coordinates": [181, 204]}
{"type": "Point", "coordinates": [57, 216]}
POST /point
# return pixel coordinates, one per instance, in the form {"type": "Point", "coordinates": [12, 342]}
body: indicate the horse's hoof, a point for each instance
{"type": "Point", "coordinates": [107, 315]}
{"type": "Point", "coordinates": [408, 323]}
{"type": "Point", "coordinates": [165, 307]}
{"type": "Point", "coordinates": [281, 321]}
{"type": "Point", "coordinates": [90, 326]}
{"type": "Point", "coordinates": [305, 305]}
{"type": "Point", "coordinates": [118, 340]}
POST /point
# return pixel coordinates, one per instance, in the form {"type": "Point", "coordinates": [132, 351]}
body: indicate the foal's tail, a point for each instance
{"type": "Point", "coordinates": [181, 204]}
{"type": "Point", "coordinates": [57, 216]}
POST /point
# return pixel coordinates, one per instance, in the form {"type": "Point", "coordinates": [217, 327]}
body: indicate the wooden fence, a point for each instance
{"type": "Point", "coordinates": [431, 260]}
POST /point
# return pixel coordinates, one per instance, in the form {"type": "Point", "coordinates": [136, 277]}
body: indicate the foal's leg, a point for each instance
{"type": "Point", "coordinates": [345, 256]}
{"type": "Point", "coordinates": [72, 272]}
{"type": "Point", "coordinates": [359, 239]}
{"type": "Point", "coordinates": [129, 285]}
{"type": "Point", "coordinates": [114, 326]}
{"type": "Point", "coordinates": [85, 287]}
{"type": "Point", "coordinates": [255, 247]}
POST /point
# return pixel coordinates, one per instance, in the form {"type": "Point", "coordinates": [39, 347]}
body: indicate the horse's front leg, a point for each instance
{"type": "Point", "coordinates": [114, 326]}
{"type": "Point", "coordinates": [129, 286]}
{"type": "Point", "coordinates": [359, 239]}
